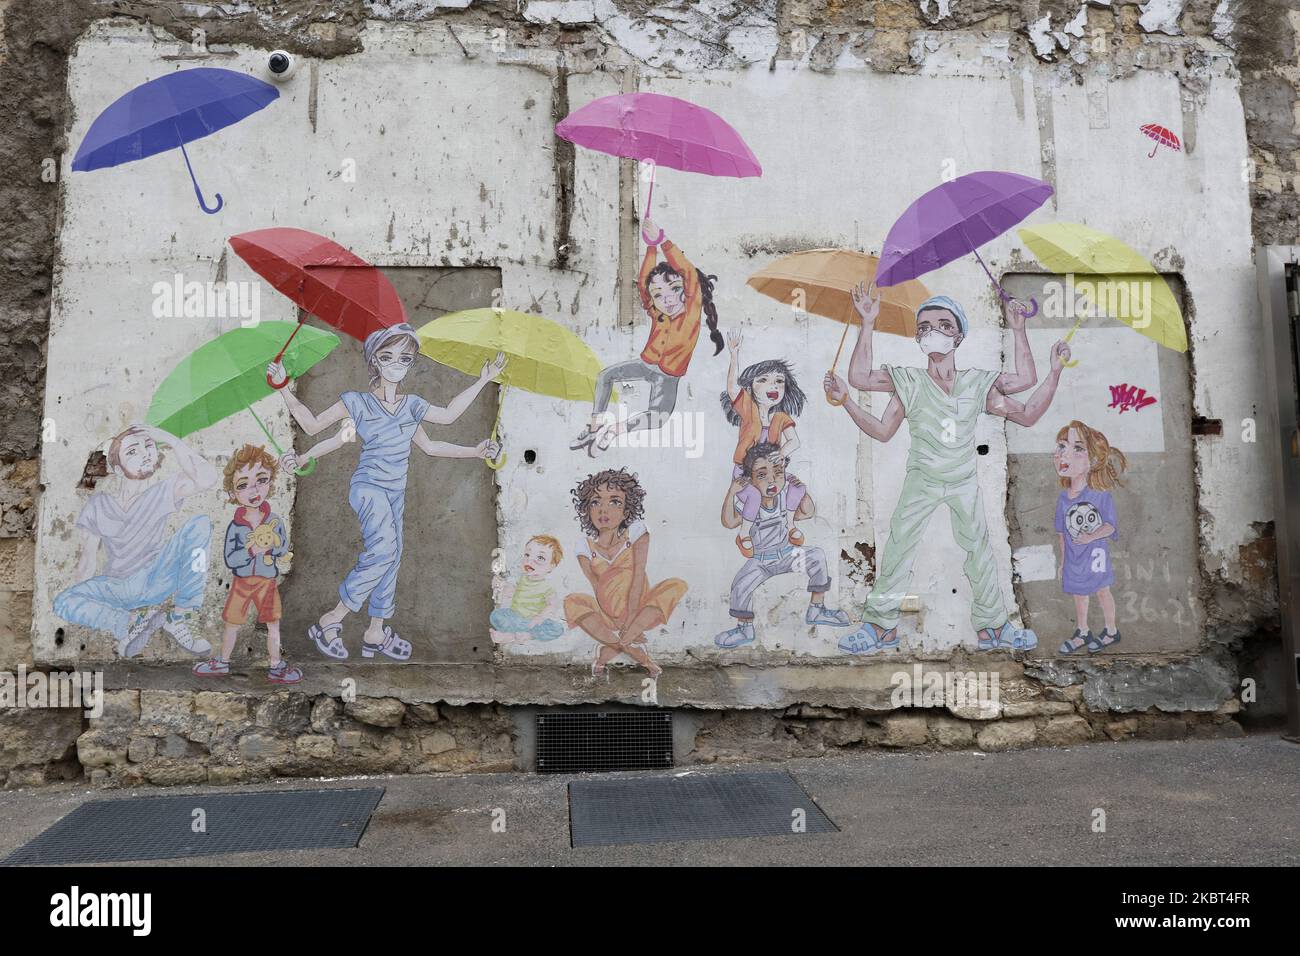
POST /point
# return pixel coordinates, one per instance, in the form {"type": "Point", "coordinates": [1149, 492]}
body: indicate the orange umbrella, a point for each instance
{"type": "Point", "coordinates": [820, 281]}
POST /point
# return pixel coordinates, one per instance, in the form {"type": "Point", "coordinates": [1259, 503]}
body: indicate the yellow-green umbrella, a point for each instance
{"type": "Point", "coordinates": [544, 357]}
{"type": "Point", "coordinates": [1110, 267]}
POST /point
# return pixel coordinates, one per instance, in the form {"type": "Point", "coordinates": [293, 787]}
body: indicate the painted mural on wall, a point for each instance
{"type": "Point", "coordinates": [613, 554]}
{"type": "Point", "coordinates": [527, 609]}
{"type": "Point", "coordinates": [151, 581]}
{"type": "Point", "coordinates": [1086, 522]}
{"type": "Point", "coordinates": [388, 424]}
{"type": "Point", "coordinates": [942, 405]}
{"type": "Point", "coordinates": [675, 295]}
{"type": "Point", "coordinates": [256, 540]}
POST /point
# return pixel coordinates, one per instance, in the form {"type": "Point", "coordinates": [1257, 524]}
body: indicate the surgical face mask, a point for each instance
{"type": "Point", "coordinates": [935, 341]}
{"type": "Point", "coordinates": [396, 370]}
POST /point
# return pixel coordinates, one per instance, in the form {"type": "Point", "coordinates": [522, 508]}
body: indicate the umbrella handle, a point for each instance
{"type": "Point", "coordinates": [496, 464]}
{"type": "Point", "coordinates": [1016, 304]}
{"type": "Point", "coordinates": [307, 469]}
{"type": "Point", "coordinates": [210, 210]}
{"type": "Point", "coordinates": [1152, 154]}
{"type": "Point", "coordinates": [279, 355]}
{"type": "Point", "coordinates": [843, 336]}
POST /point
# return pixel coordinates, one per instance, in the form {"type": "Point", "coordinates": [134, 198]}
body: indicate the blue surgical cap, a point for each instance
{"type": "Point", "coordinates": [944, 302]}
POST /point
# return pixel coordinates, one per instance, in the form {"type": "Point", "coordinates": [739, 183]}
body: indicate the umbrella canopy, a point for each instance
{"type": "Point", "coordinates": [956, 218]}
{"type": "Point", "coordinates": [1162, 136]}
{"type": "Point", "coordinates": [322, 278]}
{"type": "Point", "coordinates": [828, 276]}
{"type": "Point", "coordinates": [663, 130]}
{"type": "Point", "coordinates": [544, 356]}
{"type": "Point", "coordinates": [1067, 247]}
{"type": "Point", "coordinates": [226, 375]}
{"type": "Point", "coordinates": [169, 112]}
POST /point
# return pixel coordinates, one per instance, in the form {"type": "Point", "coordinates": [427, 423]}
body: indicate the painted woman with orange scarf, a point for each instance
{"type": "Point", "coordinates": [674, 294]}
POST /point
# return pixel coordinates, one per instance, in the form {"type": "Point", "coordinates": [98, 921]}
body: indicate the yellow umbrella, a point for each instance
{"type": "Point", "coordinates": [1113, 268]}
{"type": "Point", "coordinates": [820, 281]}
{"type": "Point", "coordinates": [544, 356]}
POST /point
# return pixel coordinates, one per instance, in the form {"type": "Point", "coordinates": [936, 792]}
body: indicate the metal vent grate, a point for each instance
{"type": "Point", "coordinates": [573, 743]}
{"type": "Point", "coordinates": [708, 806]}
{"type": "Point", "coordinates": [164, 828]}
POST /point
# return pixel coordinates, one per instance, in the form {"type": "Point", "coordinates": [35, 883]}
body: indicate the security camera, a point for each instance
{"type": "Point", "coordinates": [280, 64]}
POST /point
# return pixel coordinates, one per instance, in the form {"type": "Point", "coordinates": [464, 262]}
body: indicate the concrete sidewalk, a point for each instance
{"type": "Point", "coordinates": [1228, 802]}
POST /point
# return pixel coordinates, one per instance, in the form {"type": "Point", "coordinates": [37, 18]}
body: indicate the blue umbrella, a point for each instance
{"type": "Point", "coordinates": [168, 112]}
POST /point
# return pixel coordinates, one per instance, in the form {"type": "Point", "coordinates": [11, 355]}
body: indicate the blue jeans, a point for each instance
{"type": "Point", "coordinates": [374, 576]}
{"type": "Point", "coordinates": [106, 603]}
{"type": "Point", "coordinates": [510, 621]}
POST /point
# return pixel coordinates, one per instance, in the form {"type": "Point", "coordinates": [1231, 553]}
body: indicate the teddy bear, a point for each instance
{"type": "Point", "coordinates": [264, 536]}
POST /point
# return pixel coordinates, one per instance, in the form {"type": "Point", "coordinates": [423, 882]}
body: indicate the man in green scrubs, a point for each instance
{"type": "Point", "coordinates": [942, 405]}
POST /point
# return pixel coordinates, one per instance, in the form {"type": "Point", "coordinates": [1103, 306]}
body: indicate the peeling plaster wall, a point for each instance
{"type": "Point", "coordinates": [1054, 89]}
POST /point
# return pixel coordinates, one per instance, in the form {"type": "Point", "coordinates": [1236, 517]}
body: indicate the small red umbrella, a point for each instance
{"type": "Point", "coordinates": [1162, 136]}
{"type": "Point", "coordinates": [323, 279]}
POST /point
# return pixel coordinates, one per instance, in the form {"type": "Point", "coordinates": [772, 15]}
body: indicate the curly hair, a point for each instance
{"type": "Point", "coordinates": [241, 459]}
{"type": "Point", "coordinates": [621, 480]}
{"type": "Point", "coordinates": [792, 401]}
{"type": "Point", "coordinates": [760, 452]}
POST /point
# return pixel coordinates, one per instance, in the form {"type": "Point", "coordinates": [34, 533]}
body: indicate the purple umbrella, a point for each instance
{"type": "Point", "coordinates": [169, 112]}
{"type": "Point", "coordinates": [663, 131]}
{"type": "Point", "coordinates": [955, 218]}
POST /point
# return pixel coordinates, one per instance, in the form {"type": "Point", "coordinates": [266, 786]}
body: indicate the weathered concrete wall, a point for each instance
{"type": "Point", "coordinates": [853, 108]}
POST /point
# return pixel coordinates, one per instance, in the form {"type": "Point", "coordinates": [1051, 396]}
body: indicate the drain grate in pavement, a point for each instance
{"type": "Point", "coordinates": [163, 828]}
{"type": "Point", "coordinates": [711, 806]}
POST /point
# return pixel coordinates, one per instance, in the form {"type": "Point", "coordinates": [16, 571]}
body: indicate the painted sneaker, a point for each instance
{"type": "Point", "coordinates": [585, 438]}
{"type": "Point", "coordinates": [178, 627]}
{"type": "Point", "coordinates": [141, 629]}
{"type": "Point", "coordinates": [820, 614]}
{"type": "Point", "coordinates": [283, 673]}
{"type": "Point", "coordinates": [213, 667]}
{"type": "Point", "coordinates": [737, 636]}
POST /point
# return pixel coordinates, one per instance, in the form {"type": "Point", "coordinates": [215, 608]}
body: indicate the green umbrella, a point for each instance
{"type": "Point", "coordinates": [228, 375]}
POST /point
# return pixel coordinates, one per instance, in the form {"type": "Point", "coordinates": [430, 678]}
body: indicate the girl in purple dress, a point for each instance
{"type": "Point", "coordinates": [1085, 521]}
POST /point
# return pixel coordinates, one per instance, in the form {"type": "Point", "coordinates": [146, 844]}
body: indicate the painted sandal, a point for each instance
{"type": "Point", "coordinates": [330, 646]}
{"type": "Point", "coordinates": [393, 646]}
{"type": "Point", "coordinates": [1100, 643]}
{"type": "Point", "coordinates": [1084, 638]}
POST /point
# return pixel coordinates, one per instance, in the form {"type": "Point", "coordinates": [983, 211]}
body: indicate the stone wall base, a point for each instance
{"type": "Point", "coordinates": [183, 737]}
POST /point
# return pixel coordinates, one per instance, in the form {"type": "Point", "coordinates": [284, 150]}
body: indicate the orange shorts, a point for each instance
{"type": "Point", "coordinates": [252, 592]}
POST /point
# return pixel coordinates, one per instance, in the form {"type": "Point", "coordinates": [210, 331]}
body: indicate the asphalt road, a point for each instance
{"type": "Point", "coordinates": [1225, 802]}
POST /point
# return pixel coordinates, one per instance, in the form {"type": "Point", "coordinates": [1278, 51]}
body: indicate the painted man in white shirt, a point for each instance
{"type": "Point", "coordinates": [143, 572]}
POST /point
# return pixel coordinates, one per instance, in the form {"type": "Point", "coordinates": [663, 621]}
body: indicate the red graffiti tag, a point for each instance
{"type": "Point", "coordinates": [1125, 397]}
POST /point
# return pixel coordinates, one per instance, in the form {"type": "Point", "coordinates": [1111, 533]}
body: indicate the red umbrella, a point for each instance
{"type": "Point", "coordinates": [323, 279]}
{"type": "Point", "coordinates": [1162, 136]}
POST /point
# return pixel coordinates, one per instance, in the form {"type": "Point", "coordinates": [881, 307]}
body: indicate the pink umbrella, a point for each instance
{"type": "Point", "coordinates": [663, 131]}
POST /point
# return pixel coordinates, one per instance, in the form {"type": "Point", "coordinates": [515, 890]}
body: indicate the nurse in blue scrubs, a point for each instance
{"type": "Point", "coordinates": [387, 423]}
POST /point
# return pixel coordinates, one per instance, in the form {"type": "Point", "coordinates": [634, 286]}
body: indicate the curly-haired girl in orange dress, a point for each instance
{"type": "Point", "coordinates": [613, 556]}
